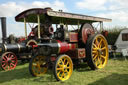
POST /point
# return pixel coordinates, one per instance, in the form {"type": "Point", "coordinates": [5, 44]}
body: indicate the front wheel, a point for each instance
{"type": "Point", "coordinates": [8, 61]}
{"type": "Point", "coordinates": [63, 68]}
{"type": "Point", "coordinates": [97, 51]}
{"type": "Point", "coordinates": [38, 65]}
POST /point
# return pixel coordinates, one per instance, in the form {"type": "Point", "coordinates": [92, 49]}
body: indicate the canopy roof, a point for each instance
{"type": "Point", "coordinates": [56, 16]}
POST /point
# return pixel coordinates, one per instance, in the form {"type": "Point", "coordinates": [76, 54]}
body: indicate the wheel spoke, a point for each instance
{"type": "Point", "coordinates": [101, 62]}
{"type": "Point", "coordinates": [97, 42]}
{"type": "Point", "coordinates": [100, 43]}
{"type": "Point", "coordinates": [11, 56]}
{"type": "Point", "coordinates": [13, 61]}
{"type": "Point", "coordinates": [37, 66]}
{"type": "Point", "coordinates": [62, 75]}
{"type": "Point", "coordinates": [4, 61]}
{"type": "Point", "coordinates": [95, 49]}
{"type": "Point", "coordinates": [94, 52]}
{"type": "Point", "coordinates": [68, 67]}
{"type": "Point", "coordinates": [94, 45]}
{"type": "Point", "coordinates": [98, 60]}
{"type": "Point", "coordinates": [64, 61]}
{"type": "Point", "coordinates": [12, 64]}
{"type": "Point", "coordinates": [59, 68]}
{"type": "Point", "coordinates": [66, 71]}
{"type": "Point", "coordinates": [5, 58]}
{"type": "Point", "coordinates": [102, 56]}
{"type": "Point", "coordinates": [58, 74]}
{"type": "Point", "coordinates": [104, 48]}
{"type": "Point", "coordinates": [67, 63]}
{"type": "Point", "coordinates": [61, 61]}
{"type": "Point", "coordinates": [3, 64]}
{"type": "Point", "coordinates": [95, 57]}
{"type": "Point", "coordinates": [60, 65]}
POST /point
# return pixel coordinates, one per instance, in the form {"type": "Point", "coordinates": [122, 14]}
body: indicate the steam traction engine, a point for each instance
{"type": "Point", "coordinates": [60, 47]}
{"type": "Point", "coordinates": [13, 48]}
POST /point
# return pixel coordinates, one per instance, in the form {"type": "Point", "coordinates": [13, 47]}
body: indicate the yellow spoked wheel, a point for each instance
{"type": "Point", "coordinates": [38, 65]}
{"type": "Point", "coordinates": [97, 51]}
{"type": "Point", "coordinates": [63, 68]}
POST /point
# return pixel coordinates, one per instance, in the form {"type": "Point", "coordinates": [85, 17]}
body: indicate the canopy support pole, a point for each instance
{"type": "Point", "coordinates": [38, 19]}
{"type": "Point", "coordinates": [78, 25]}
{"type": "Point", "coordinates": [25, 26]}
{"type": "Point", "coordinates": [101, 26]}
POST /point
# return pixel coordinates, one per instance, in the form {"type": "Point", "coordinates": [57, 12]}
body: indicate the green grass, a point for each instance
{"type": "Point", "coordinates": [115, 73]}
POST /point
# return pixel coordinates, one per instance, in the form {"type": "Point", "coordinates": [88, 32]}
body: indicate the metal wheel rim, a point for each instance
{"type": "Point", "coordinates": [9, 61]}
{"type": "Point", "coordinates": [64, 68]}
{"type": "Point", "coordinates": [100, 51]}
{"type": "Point", "coordinates": [39, 66]}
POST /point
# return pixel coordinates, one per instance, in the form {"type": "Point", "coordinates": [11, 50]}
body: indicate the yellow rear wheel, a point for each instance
{"type": "Point", "coordinates": [38, 65]}
{"type": "Point", "coordinates": [63, 68]}
{"type": "Point", "coordinates": [97, 51]}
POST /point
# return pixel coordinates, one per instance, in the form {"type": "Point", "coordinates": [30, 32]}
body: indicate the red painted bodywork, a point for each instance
{"type": "Point", "coordinates": [64, 46]}
{"type": "Point", "coordinates": [73, 37]}
{"type": "Point", "coordinates": [77, 53]}
{"type": "Point", "coordinates": [21, 39]}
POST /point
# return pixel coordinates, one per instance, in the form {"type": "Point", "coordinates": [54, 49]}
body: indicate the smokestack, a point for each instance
{"type": "Point", "coordinates": [3, 27]}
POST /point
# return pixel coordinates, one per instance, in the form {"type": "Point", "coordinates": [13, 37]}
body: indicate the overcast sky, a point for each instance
{"type": "Point", "coordinates": [117, 10]}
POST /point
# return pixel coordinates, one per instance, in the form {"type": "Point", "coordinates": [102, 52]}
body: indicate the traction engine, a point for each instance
{"type": "Point", "coordinates": [13, 49]}
{"type": "Point", "coordinates": [66, 48]}
{"type": "Point", "coordinates": [61, 48]}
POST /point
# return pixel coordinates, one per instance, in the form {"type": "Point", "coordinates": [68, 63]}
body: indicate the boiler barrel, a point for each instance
{"type": "Point", "coordinates": [14, 48]}
{"type": "Point", "coordinates": [56, 47]}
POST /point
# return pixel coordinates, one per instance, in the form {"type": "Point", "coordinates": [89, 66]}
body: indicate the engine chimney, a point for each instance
{"type": "Point", "coordinates": [3, 27]}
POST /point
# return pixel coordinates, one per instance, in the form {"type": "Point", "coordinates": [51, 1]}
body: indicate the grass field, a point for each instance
{"type": "Point", "coordinates": [115, 73]}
